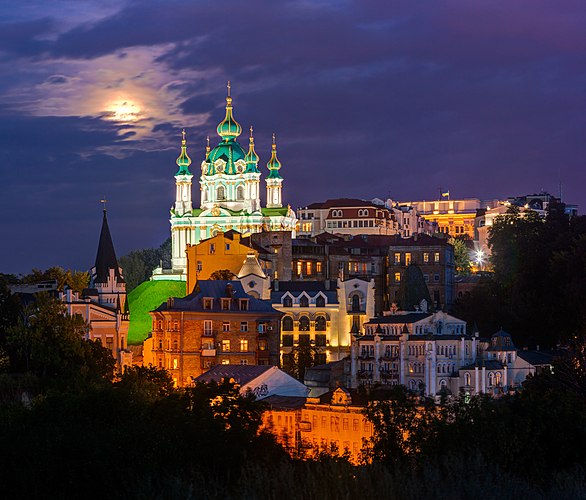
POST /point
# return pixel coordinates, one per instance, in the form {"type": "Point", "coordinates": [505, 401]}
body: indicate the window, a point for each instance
{"type": "Point", "coordinates": [207, 326]}
{"type": "Point", "coordinates": [408, 258]}
{"type": "Point", "coordinates": [436, 257]}
{"type": "Point", "coordinates": [355, 303]}
{"type": "Point", "coordinates": [320, 301]}
{"type": "Point", "coordinates": [287, 302]}
{"type": "Point", "coordinates": [397, 277]}
{"type": "Point", "coordinates": [243, 361]}
{"type": "Point", "coordinates": [287, 324]}
{"type": "Point", "coordinates": [207, 304]}
{"type": "Point", "coordinates": [225, 361]}
{"type": "Point", "coordinates": [308, 267]}
{"type": "Point", "coordinates": [110, 342]}
{"type": "Point", "coordinates": [436, 277]}
{"type": "Point", "coordinates": [320, 340]}
{"type": "Point", "coordinates": [426, 278]}
{"type": "Point", "coordinates": [225, 346]}
{"type": "Point", "coordinates": [345, 425]}
{"type": "Point", "coordinates": [244, 326]}
{"type": "Point", "coordinates": [221, 193]}
{"type": "Point", "coordinates": [303, 301]}
{"type": "Point", "coordinates": [225, 304]}
{"type": "Point", "coordinates": [227, 247]}
{"type": "Point", "coordinates": [175, 363]}
{"type": "Point", "coordinates": [175, 346]}
{"type": "Point", "coordinates": [262, 345]}
{"type": "Point", "coordinates": [239, 193]}
{"type": "Point", "coordinates": [199, 266]}
{"type": "Point", "coordinates": [304, 324]}
{"type": "Point", "coordinates": [397, 258]}
{"type": "Point", "coordinates": [299, 267]}
{"type": "Point", "coordinates": [225, 326]}
{"type": "Point", "coordinates": [287, 340]}
{"type": "Point", "coordinates": [318, 267]}
{"type": "Point", "coordinates": [320, 324]}
{"type": "Point", "coordinates": [355, 425]}
{"type": "Point", "coordinates": [243, 345]}
{"type": "Point", "coordinates": [244, 304]}
{"type": "Point", "coordinates": [212, 248]}
{"type": "Point", "coordinates": [160, 342]}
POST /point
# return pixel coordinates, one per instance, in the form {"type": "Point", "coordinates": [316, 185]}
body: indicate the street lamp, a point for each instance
{"type": "Point", "coordinates": [479, 258]}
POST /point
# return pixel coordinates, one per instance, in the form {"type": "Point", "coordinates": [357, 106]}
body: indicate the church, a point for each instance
{"type": "Point", "coordinates": [230, 185]}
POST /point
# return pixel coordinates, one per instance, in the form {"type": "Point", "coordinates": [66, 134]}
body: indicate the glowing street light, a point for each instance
{"type": "Point", "coordinates": [479, 258]}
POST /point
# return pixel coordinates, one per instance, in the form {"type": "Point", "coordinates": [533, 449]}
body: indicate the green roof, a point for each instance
{"type": "Point", "coordinates": [272, 212]}
{"type": "Point", "coordinates": [144, 298]}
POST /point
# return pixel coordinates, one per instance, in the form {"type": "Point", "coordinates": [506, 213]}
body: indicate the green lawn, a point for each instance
{"type": "Point", "coordinates": [146, 297]}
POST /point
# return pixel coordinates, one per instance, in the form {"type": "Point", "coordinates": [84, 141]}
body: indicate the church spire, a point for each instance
{"type": "Point", "coordinates": [183, 161]}
{"type": "Point", "coordinates": [251, 157]}
{"type": "Point", "coordinates": [229, 128]}
{"type": "Point", "coordinates": [274, 165]}
{"type": "Point", "coordinates": [106, 256]}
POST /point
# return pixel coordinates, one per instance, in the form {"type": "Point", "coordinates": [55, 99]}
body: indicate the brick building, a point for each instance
{"type": "Point", "coordinates": [218, 323]}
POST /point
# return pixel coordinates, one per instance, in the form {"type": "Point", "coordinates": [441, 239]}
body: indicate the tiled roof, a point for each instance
{"type": "Point", "coordinates": [217, 289]}
{"type": "Point", "coordinates": [241, 374]}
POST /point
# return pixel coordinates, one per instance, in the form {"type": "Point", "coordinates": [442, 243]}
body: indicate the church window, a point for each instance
{"type": "Point", "coordinates": [491, 379]}
{"type": "Point", "coordinates": [467, 379]}
{"type": "Point", "coordinates": [303, 301]}
{"type": "Point", "coordinates": [221, 193]}
{"type": "Point", "coordinates": [497, 378]}
{"type": "Point", "coordinates": [239, 193]}
{"type": "Point", "coordinates": [320, 324]}
{"type": "Point", "coordinates": [304, 324]}
{"type": "Point", "coordinates": [287, 324]}
{"type": "Point", "coordinates": [320, 301]}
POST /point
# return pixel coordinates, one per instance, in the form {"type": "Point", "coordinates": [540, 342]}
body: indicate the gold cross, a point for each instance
{"type": "Point", "coordinates": [229, 87]}
{"type": "Point", "coordinates": [103, 202]}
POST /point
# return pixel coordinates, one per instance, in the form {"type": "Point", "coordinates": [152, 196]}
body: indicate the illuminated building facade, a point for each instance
{"type": "Point", "coordinates": [218, 323]}
{"type": "Point", "coordinates": [453, 217]}
{"type": "Point", "coordinates": [229, 194]}
{"type": "Point", "coordinates": [321, 314]}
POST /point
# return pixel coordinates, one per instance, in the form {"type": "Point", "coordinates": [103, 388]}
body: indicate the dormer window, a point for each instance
{"type": "Point", "coordinates": [303, 301]}
{"type": "Point", "coordinates": [244, 304]}
{"type": "Point", "coordinates": [336, 213]}
{"type": "Point", "coordinates": [287, 302]}
{"type": "Point", "coordinates": [208, 303]}
{"type": "Point", "coordinates": [225, 304]}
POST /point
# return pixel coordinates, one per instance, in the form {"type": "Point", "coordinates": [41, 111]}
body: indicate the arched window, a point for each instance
{"type": "Point", "coordinates": [491, 379]}
{"type": "Point", "coordinates": [221, 193]}
{"type": "Point", "coordinates": [287, 324]}
{"type": "Point", "coordinates": [303, 301]}
{"type": "Point", "coordinates": [304, 324]}
{"type": "Point", "coordinates": [240, 193]}
{"type": "Point", "coordinates": [443, 384]}
{"type": "Point", "coordinates": [287, 302]}
{"type": "Point", "coordinates": [467, 379]}
{"type": "Point", "coordinates": [320, 302]}
{"type": "Point", "coordinates": [355, 303]}
{"type": "Point", "coordinates": [320, 324]}
{"type": "Point", "coordinates": [497, 378]}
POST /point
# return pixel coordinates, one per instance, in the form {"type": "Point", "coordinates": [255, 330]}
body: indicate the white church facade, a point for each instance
{"type": "Point", "coordinates": [230, 186]}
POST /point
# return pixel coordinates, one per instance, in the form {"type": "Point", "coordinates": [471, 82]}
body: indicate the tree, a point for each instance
{"type": "Point", "coordinates": [222, 274]}
{"type": "Point", "coordinates": [138, 265]}
{"type": "Point", "coordinates": [304, 355]}
{"type": "Point", "coordinates": [76, 280]}
{"type": "Point", "coordinates": [461, 256]}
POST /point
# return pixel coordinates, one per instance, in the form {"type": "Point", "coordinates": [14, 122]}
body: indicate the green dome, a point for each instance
{"type": "Point", "coordinates": [228, 151]}
{"type": "Point", "coordinates": [251, 157]}
{"type": "Point", "coordinates": [274, 165]}
{"type": "Point", "coordinates": [184, 160]}
{"type": "Point", "coordinates": [229, 128]}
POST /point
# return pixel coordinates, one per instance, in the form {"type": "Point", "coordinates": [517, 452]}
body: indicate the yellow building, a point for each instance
{"type": "Point", "coordinates": [331, 423]}
{"type": "Point", "coordinates": [453, 217]}
{"type": "Point", "coordinates": [223, 251]}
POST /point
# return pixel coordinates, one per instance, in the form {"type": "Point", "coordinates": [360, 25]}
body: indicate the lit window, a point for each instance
{"type": "Point", "coordinates": [407, 258]}
{"type": "Point", "coordinates": [225, 362]}
{"type": "Point", "coordinates": [318, 267]}
{"type": "Point", "coordinates": [426, 257]}
{"type": "Point", "coordinates": [243, 345]}
{"type": "Point", "coordinates": [207, 304]}
{"type": "Point", "coordinates": [397, 258]}
{"type": "Point", "coordinates": [299, 267]}
{"type": "Point", "coordinates": [308, 267]}
{"type": "Point", "coordinates": [225, 304]}
{"type": "Point", "coordinates": [397, 277]}
{"type": "Point", "coordinates": [436, 257]}
{"type": "Point", "coordinates": [225, 345]}
{"type": "Point", "coordinates": [175, 363]}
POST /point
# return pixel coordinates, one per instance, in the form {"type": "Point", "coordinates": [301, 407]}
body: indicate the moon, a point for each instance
{"type": "Point", "coordinates": [123, 110]}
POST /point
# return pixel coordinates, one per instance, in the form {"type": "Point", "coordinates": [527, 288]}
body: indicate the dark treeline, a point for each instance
{"type": "Point", "coordinates": [138, 265]}
{"type": "Point", "coordinates": [537, 290]}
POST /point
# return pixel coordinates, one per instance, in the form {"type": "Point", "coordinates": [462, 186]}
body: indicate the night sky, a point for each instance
{"type": "Point", "coordinates": [486, 98]}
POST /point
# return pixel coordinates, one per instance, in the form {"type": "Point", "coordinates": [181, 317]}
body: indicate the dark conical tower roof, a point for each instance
{"type": "Point", "coordinates": [106, 256]}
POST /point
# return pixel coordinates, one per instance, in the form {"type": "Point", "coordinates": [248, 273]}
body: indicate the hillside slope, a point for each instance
{"type": "Point", "coordinates": [144, 298]}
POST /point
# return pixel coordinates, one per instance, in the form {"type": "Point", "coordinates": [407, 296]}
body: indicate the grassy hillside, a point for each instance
{"type": "Point", "coordinates": [146, 297]}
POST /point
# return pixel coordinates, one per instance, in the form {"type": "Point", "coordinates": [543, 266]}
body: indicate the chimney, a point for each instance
{"type": "Point", "coordinates": [327, 284]}
{"type": "Point", "coordinates": [276, 285]}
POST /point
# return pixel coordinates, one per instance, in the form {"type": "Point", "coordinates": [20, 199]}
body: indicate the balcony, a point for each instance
{"type": "Point", "coordinates": [208, 352]}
